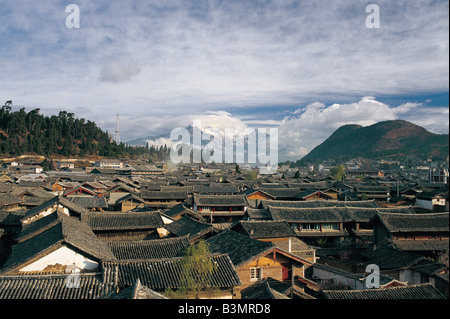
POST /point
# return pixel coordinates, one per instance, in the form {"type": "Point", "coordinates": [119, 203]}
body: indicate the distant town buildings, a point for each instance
{"type": "Point", "coordinates": [110, 227]}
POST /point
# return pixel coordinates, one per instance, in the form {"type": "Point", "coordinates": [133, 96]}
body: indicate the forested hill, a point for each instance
{"type": "Point", "coordinates": [24, 132]}
{"type": "Point", "coordinates": [383, 139]}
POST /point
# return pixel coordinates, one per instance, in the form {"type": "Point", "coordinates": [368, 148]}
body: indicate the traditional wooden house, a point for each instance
{"type": "Point", "coordinates": [194, 229]}
{"type": "Point", "coordinates": [124, 226]}
{"type": "Point", "coordinates": [278, 233]}
{"type": "Point", "coordinates": [62, 186]}
{"type": "Point", "coordinates": [311, 194]}
{"type": "Point", "coordinates": [109, 171]}
{"type": "Point", "coordinates": [311, 223]}
{"type": "Point", "coordinates": [163, 274]}
{"type": "Point", "coordinates": [375, 192]}
{"type": "Point", "coordinates": [126, 202]}
{"type": "Point", "coordinates": [370, 172]}
{"type": "Point", "coordinates": [9, 202]}
{"type": "Point", "coordinates": [163, 199]}
{"type": "Point", "coordinates": [55, 204]}
{"type": "Point", "coordinates": [257, 214]}
{"type": "Point", "coordinates": [434, 200]}
{"type": "Point", "coordinates": [255, 260]}
{"type": "Point", "coordinates": [121, 187]}
{"type": "Point", "coordinates": [176, 212]}
{"type": "Point", "coordinates": [97, 187]}
{"type": "Point", "coordinates": [31, 197]}
{"type": "Point", "coordinates": [427, 271]}
{"type": "Point", "coordinates": [254, 196]}
{"type": "Point", "coordinates": [406, 266]}
{"type": "Point", "coordinates": [145, 170]}
{"type": "Point", "coordinates": [220, 208]}
{"type": "Point", "coordinates": [282, 193]}
{"type": "Point", "coordinates": [334, 278]}
{"type": "Point", "coordinates": [54, 242]}
{"type": "Point", "coordinates": [216, 189]}
{"type": "Point", "coordinates": [79, 190]}
{"type": "Point", "coordinates": [426, 234]}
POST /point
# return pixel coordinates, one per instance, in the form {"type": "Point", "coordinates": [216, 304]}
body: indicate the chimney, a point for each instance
{"type": "Point", "coordinates": [290, 244]}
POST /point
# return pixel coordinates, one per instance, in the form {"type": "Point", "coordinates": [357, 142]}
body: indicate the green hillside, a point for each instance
{"type": "Point", "coordinates": [30, 132]}
{"type": "Point", "coordinates": [383, 139]}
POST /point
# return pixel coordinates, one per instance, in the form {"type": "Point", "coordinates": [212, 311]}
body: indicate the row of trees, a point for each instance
{"type": "Point", "coordinates": [24, 132]}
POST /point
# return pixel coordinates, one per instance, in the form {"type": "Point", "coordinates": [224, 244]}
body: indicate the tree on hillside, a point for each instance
{"type": "Point", "coordinates": [24, 132]}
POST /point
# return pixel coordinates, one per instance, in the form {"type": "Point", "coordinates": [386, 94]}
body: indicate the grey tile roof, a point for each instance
{"type": "Point", "coordinates": [386, 256]}
{"type": "Point", "coordinates": [434, 222]}
{"type": "Point", "coordinates": [256, 213]}
{"type": "Point", "coordinates": [302, 215]}
{"type": "Point", "coordinates": [188, 226]}
{"type": "Point", "coordinates": [268, 288]}
{"type": "Point", "coordinates": [91, 286]}
{"type": "Point", "coordinates": [149, 249]}
{"type": "Point", "coordinates": [160, 274]}
{"type": "Point", "coordinates": [216, 189]}
{"type": "Point", "coordinates": [239, 247]}
{"type": "Point", "coordinates": [319, 203]}
{"type": "Point", "coordinates": [282, 193]}
{"type": "Point", "coordinates": [428, 267]}
{"type": "Point", "coordinates": [420, 291]}
{"type": "Point", "coordinates": [220, 200]}
{"type": "Point", "coordinates": [8, 199]}
{"type": "Point", "coordinates": [265, 229]}
{"type": "Point", "coordinates": [88, 201]}
{"type": "Point", "coordinates": [418, 245]}
{"type": "Point", "coordinates": [107, 221]}
{"type": "Point", "coordinates": [136, 291]}
{"type": "Point", "coordinates": [164, 195]}
{"type": "Point", "coordinates": [371, 189]}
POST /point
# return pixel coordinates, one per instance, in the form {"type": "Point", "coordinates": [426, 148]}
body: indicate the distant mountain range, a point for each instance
{"type": "Point", "coordinates": [388, 138]}
{"type": "Point", "coordinates": [383, 139]}
{"type": "Point", "coordinates": [142, 141]}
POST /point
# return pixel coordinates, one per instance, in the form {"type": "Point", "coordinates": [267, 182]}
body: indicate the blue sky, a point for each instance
{"type": "Point", "coordinates": [306, 67]}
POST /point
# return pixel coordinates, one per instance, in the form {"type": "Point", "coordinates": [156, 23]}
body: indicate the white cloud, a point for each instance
{"type": "Point", "coordinates": [170, 61]}
{"type": "Point", "coordinates": [119, 71]}
{"type": "Point", "coordinates": [308, 127]}
{"type": "Point", "coordinates": [207, 55]}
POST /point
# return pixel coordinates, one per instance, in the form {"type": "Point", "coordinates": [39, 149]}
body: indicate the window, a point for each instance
{"type": "Point", "coordinates": [310, 226]}
{"type": "Point", "coordinates": [330, 226]}
{"type": "Point", "coordinates": [255, 274]}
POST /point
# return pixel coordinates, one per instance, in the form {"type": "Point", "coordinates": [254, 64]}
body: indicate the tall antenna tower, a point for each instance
{"type": "Point", "coordinates": [117, 129]}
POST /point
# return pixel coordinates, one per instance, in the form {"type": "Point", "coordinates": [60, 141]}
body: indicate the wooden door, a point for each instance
{"type": "Point", "coordinates": [286, 272]}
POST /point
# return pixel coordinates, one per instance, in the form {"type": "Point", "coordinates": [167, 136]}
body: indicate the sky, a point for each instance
{"type": "Point", "coordinates": [304, 67]}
